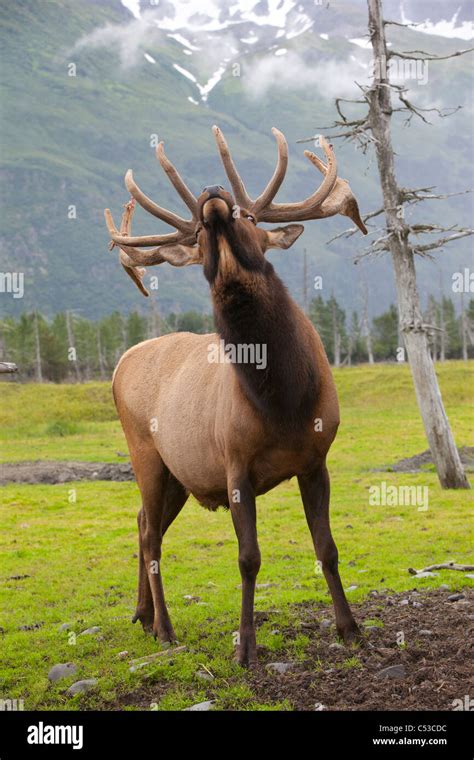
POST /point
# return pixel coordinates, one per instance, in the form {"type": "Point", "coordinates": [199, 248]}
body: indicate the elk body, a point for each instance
{"type": "Point", "coordinates": [201, 422]}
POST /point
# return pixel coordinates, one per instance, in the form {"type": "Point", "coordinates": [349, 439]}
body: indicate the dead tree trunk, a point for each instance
{"type": "Point", "coordinates": [38, 370]}
{"type": "Point", "coordinates": [366, 325]}
{"type": "Point", "coordinates": [72, 347]}
{"type": "Point", "coordinates": [443, 448]}
{"type": "Point", "coordinates": [336, 336]}
{"type": "Point", "coordinates": [100, 354]}
{"type": "Point", "coordinates": [463, 329]}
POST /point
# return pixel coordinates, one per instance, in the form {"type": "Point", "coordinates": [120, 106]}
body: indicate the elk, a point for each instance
{"type": "Point", "coordinates": [227, 431]}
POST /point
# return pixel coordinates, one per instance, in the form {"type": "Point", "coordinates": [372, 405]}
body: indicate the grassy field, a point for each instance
{"type": "Point", "coordinates": [75, 544]}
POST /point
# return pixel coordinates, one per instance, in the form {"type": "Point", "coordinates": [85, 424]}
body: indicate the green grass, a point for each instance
{"type": "Point", "coordinates": [76, 542]}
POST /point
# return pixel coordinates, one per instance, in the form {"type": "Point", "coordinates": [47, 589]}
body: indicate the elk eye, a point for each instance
{"type": "Point", "coordinates": [251, 218]}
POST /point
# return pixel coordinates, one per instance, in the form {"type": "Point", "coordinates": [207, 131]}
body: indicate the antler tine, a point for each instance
{"type": "Point", "coordinates": [265, 198]}
{"type": "Point", "coordinates": [144, 240]}
{"type": "Point", "coordinates": [166, 216]}
{"type": "Point", "coordinates": [176, 180]}
{"type": "Point", "coordinates": [344, 201]}
{"type": "Point", "coordinates": [309, 208]}
{"type": "Point", "coordinates": [135, 273]}
{"type": "Point", "coordinates": [240, 193]}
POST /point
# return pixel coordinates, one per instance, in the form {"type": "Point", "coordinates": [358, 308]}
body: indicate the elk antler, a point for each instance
{"type": "Point", "coordinates": [185, 227]}
{"type": "Point", "coordinates": [175, 247]}
{"type": "Point", "coordinates": [331, 197]}
{"type": "Point", "coordinates": [133, 259]}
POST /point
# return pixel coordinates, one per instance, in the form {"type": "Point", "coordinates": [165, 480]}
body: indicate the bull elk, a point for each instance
{"type": "Point", "coordinates": [227, 431]}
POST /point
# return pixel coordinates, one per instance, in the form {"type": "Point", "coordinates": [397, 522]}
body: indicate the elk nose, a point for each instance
{"type": "Point", "coordinates": [213, 190]}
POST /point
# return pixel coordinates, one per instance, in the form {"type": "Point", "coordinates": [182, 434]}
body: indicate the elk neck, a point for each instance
{"type": "Point", "coordinates": [252, 307]}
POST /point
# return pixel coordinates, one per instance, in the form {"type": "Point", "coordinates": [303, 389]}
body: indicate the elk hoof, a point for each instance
{"type": "Point", "coordinates": [145, 618]}
{"type": "Point", "coordinates": [164, 633]}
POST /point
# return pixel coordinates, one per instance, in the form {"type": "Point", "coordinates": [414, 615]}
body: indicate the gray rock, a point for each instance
{"type": "Point", "coordinates": [123, 655]}
{"type": "Point", "coordinates": [455, 597]}
{"type": "Point", "coordinates": [469, 575]}
{"type": "Point", "coordinates": [404, 602]}
{"type": "Point", "coordinates": [90, 631]}
{"type": "Point", "coordinates": [393, 671]}
{"type": "Point", "coordinates": [200, 707]}
{"type": "Point", "coordinates": [325, 624]}
{"type": "Point", "coordinates": [426, 575]}
{"type": "Point", "coordinates": [352, 588]}
{"type": "Point", "coordinates": [425, 632]}
{"type": "Point", "coordinates": [62, 670]}
{"type": "Point", "coordinates": [81, 686]}
{"type": "Point", "coordinates": [445, 587]}
{"type": "Point", "coordinates": [319, 707]}
{"type": "Point", "coordinates": [190, 599]}
{"type": "Point", "coordinates": [280, 667]}
{"type": "Point", "coordinates": [336, 645]}
{"type": "Point", "coordinates": [65, 627]}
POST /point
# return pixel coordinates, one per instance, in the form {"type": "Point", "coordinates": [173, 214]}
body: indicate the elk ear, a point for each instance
{"type": "Point", "coordinates": [284, 237]}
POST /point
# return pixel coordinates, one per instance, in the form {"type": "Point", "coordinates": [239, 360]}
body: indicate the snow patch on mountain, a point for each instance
{"type": "Point", "coordinates": [442, 28]}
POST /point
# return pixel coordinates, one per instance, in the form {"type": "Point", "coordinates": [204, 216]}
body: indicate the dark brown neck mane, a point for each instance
{"type": "Point", "coordinates": [252, 306]}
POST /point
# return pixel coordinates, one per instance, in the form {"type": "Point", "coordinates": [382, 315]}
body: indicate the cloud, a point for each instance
{"type": "Point", "coordinates": [127, 39]}
{"type": "Point", "coordinates": [333, 78]}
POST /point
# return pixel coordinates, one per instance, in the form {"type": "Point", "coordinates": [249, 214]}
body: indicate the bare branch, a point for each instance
{"type": "Point", "coordinates": [411, 25]}
{"type": "Point", "coordinates": [417, 110]}
{"type": "Point", "coordinates": [352, 230]}
{"type": "Point", "coordinates": [412, 196]}
{"type": "Point", "coordinates": [444, 566]}
{"type": "Point", "coordinates": [421, 55]}
{"type": "Point", "coordinates": [422, 229]}
{"type": "Point", "coordinates": [421, 249]}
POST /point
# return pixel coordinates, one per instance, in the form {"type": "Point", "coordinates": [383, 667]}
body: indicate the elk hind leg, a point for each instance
{"type": "Point", "coordinates": [175, 498]}
{"type": "Point", "coordinates": [315, 489]}
{"type": "Point", "coordinates": [153, 478]}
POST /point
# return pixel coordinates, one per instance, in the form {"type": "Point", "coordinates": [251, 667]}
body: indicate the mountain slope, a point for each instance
{"type": "Point", "coordinates": [68, 140]}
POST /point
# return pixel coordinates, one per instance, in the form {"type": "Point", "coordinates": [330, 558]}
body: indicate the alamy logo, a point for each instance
{"type": "Point", "coordinates": [463, 704]}
{"type": "Point", "coordinates": [384, 495]}
{"type": "Point", "coordinates": [242, 353]}
{"type": "Point", "coordinates": [42, 734]}
{"type": "Point", "coordinates": [12, 282]}
{"type": "Point", "coordinates": [11, 705]}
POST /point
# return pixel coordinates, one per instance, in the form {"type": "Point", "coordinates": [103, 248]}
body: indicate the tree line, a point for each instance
{"type": "Point", "coordinates": [71, 348]}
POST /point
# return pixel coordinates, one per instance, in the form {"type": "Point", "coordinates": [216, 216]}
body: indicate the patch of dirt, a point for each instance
{"type": "Point", "coordinates": [419, 462]}
{"type": "Point", "coordinates": [427, 636]}
{"type": "Point", "coordinates": [52, 472]}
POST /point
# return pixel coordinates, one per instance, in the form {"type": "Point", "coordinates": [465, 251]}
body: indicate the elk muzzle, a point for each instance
{"type": "Point", "coordinates": [216, 205]}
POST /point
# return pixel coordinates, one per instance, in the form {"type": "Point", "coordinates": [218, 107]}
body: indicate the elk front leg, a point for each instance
{"type": "Point", "coordinates": [315, 489]}
{"type": "Point", "coordinates": [244, 517]}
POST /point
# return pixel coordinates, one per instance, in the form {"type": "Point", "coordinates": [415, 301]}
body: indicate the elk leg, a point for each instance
{"type": "Point", "coordinates": [315, 489]}
{"type": "Point", "coordinates": [145, 611]}
{"type": "Point", "coordinates": [153, 477]}
{"type": "Point", "coordinates": [176, 497]}
{"type": "Point", "coordinates": [244, 517]}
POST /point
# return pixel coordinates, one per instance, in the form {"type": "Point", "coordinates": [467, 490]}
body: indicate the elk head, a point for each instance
{"type": "Point", "coordinates": [216, 212]}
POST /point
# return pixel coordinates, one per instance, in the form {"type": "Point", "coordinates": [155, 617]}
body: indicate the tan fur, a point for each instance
{"type": "Point", "coordinates": [205, 423]}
